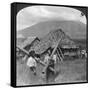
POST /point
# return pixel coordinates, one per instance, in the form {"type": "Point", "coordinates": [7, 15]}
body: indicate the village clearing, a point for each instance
{"type": "Point", "coordinates": [68, 71]}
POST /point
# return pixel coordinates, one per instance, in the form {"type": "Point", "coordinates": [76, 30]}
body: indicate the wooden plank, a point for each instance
{"type": "Point", "coordinates": [61, 59]}
{"type": "Point", "coordinates": [61, 52]}
{"type": "Point", "coordinates": [27, 53]}
{"type": "Point", "coordinates": [23, 50]}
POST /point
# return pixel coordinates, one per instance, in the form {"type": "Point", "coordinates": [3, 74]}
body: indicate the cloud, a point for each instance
{"type": "Point", "coordinates": [32, 15]}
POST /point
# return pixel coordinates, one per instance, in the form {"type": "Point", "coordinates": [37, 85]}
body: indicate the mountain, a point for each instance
{"type": "Point", "coordinates": [20, 40]}
{"type": "Point", "coordinates": [74, 29]}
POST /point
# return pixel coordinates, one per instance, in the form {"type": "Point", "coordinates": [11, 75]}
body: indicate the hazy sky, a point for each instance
{"type": "Point", "coordinates": [32, 15]}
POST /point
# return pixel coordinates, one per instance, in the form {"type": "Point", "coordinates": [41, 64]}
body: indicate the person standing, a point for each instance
{"type": "Point", "coordinates": [54, 58]}
{"type": "Point", "coordinates": [31, 62]}
{"type": "Point", "coordinates": [50, 70]}
{"type": "Point", "coordinates": [46, 58]}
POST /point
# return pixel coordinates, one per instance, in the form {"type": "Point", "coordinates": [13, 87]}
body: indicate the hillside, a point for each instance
{"type": "Point", "coordinates": [20, 40]}
{"type": "Point", "coordinates": [73, 29]}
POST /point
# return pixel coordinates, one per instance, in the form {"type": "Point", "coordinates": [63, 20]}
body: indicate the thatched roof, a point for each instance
{"type": "Point", "coordinates": [33, 43]}
{"type": "Point", "coordinates": [27, 42]}
{"type": "Point", "coordinates": [50, 40]}
{"type": "Point", "coordinates": [69, 46]}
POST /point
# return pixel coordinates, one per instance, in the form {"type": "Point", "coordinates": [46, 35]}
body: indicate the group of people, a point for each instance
{"type": "Point", "coordinates": [49, 61]}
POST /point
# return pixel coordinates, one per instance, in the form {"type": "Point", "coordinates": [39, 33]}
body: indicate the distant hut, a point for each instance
{"type": "Point", "coordinates": [71, 50]}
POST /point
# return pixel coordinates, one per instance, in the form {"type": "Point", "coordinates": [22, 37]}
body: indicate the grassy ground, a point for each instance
{"type": "Point", "coordinates": [68, 71]}
{"type": "Point", "coordinates": [72, 71]}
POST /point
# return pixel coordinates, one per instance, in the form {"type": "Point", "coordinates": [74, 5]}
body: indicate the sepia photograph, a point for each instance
{"type": "Point", "coordinates": [51, 45]}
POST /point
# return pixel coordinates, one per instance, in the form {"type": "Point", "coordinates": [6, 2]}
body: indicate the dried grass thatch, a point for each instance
{"type": "Point", "coordinates": [50, 40]}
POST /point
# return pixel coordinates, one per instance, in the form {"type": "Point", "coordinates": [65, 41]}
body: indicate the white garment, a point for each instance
{"type": "Point", "coordinates": [46, 59]}
{"type": "Point", "coordinates": [54, 57]}
{"type": "Point", "coordinates": [31, 62]}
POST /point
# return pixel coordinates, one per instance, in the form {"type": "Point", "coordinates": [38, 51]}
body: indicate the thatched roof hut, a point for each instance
{"type": "Point", "coordinates": [33, 43]}
{"type": "Point", "coordinates": [50, 40]}
{"type": "Point", "coordinates": [29, 42]}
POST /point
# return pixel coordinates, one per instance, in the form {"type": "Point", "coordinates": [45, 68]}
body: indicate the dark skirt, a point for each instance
{"type": "Point", "coordinates": [50, 74]}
